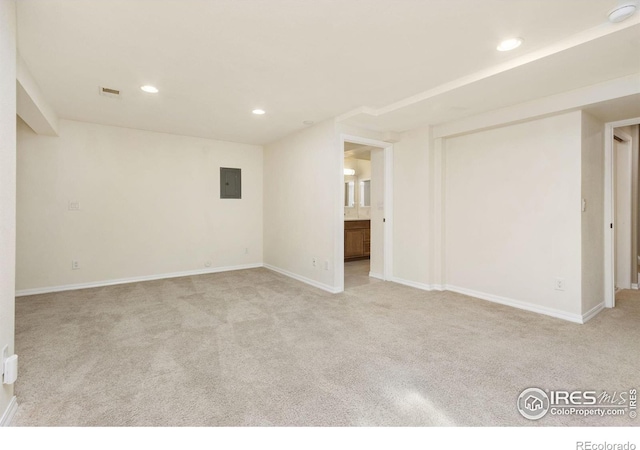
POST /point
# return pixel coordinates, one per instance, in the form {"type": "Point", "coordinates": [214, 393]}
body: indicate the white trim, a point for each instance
{"type": "Point", "coordinates": [324, 287]}
{"type": "Point", "coordinates": [9, 413]}
{"type": "Point", "coordinates": [609, 205]}
{"type": "Point", "coordinates": [592, 312]}
{"type": "Point", "coordinates": [338, 225]}
{"type": "Point", "coordinates": [376, 275]}
{"type": "Point", "coordinates": [626, 267]}
{"type": "Point", "coordinates": [634, 286]}
{"type": "Point", "coordinates": [363, 141]}
{"type": "Point", "coordinates": [388, 213]}
{"type": "Point", "coordinates": [188, 273]}
{"type": "Point", "coordinates": [576, 318]}
{"type": "Point", "coordinates": [413, 284]}
{"type": "Point", "coordinates": [503, 301]}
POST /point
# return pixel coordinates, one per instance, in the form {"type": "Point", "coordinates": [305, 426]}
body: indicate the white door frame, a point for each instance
{"type": "Point", "coordinates": [609, 211]}
{"type": "Point", "coordinates": [617, 207]}
{"type": "Point", "coordinates": [388, 209]}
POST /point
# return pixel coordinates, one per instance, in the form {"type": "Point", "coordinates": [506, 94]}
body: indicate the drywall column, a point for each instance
{"type": "Point", "coordinates": [411, 221]}
{"type": "Point", "coordinates": [303, 186]}
{"type": "Point", "coordinates": [592, 217]}
{"type": "Point", "coordinates": [7, 186]}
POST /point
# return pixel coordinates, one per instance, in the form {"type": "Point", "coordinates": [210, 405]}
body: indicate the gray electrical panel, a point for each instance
{"type": "Point", "coordinates": [230, 183]}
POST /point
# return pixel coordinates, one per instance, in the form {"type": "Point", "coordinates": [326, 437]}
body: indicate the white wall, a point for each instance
{"type": "Point", "coordinates": [150, 205]}
{"type": "Point", "coordinates": [300, 208]}
{"type": "Point", "coordinates": [512, 212]}
{"type": "Point", "coordinates": [411, 203]}
{"type": "Point", "coordinates": [7, 183]}
{"type": "Point", "coordinates": [593, 216]}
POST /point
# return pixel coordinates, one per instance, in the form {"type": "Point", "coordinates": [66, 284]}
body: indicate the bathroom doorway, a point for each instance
{"type": "Point", "coordinates": [622, 214]}
{"type": "Point", "coordinates": [365, 211]}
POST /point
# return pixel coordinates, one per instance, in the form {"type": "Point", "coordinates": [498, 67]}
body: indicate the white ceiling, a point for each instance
{"type": "Point", "coordinates": [618, 109]}
{"type": "Point", "coordinates": [215, 61]}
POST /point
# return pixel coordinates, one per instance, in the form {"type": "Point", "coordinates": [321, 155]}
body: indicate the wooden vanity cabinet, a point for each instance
{"type": "Point", "coordinates": [357, 239]}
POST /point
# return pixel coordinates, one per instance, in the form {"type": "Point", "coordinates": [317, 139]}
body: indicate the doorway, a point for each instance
{"type": "Point", "coordinates": [622, 187]}
{"type": "Point", "coordinates": [622, 238]}
{"type": "Point", "coordinates": [364, 233]}
{"type": "Point", "coordinates": [363, 206]}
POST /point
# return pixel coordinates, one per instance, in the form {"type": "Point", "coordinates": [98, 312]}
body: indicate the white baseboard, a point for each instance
{"type": "Point", "coordinates": [592, 312]}
{"type": "Point", "coordinates": [414, 284]}
{"type": "Point", "coordinates": [73, 287]}
{"type": "Point", "coordinates": [7, 416]}
{"type": "Point", "coordinates": [376, 275]}
{"type": "Point", "coordinates": [634, 286]}
{"type": "Point", "coordinates": [492, 298]}
{"type": "Point", "coordinates": [324, 287]}
{"type": "Point", "coordinates": [576, 318]}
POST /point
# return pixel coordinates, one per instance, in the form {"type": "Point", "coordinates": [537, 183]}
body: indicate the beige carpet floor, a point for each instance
{"type": "Point", "coordinates": [253, 347]}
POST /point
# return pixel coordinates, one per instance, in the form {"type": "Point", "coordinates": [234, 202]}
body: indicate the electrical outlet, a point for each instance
{"type": "Point", "coordinates": [246, 250]}
{"type": "Point", "coordinates": [326, 265]}
{"type": "Point", "coordinates": [207, 263]}
{"type": "Point", "coordinates": [314, 261]}
{"type": "Point", "coordinates": [75, 265]}
{"type": "Point", "coordinates": [559, 284]}
{"type": "Point", "coordinates": [74, 205]}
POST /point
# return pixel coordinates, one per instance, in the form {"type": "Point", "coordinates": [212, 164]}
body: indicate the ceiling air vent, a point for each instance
{"type": "Point", "coordinates": [109, 92]}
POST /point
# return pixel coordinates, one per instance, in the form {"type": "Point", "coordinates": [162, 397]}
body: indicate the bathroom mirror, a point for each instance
{"type": "Point", "coordinates": [349, 194]}
{"type": "Point", "coordinates": [365, 193]}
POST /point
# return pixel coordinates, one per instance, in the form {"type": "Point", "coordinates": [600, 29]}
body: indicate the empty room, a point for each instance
{"type": "Point", "coordinates": [319, 213]}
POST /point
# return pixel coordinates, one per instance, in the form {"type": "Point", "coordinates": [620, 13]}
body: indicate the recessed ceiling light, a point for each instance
{"type": "Point", "coordinates": [509, 44]}
{"type": "Point", "coordinates": [149, 89]}
{"type": "Point", "coordinates": [622, 12]}
{"type": "Point", "coordinates": [259, 112]}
